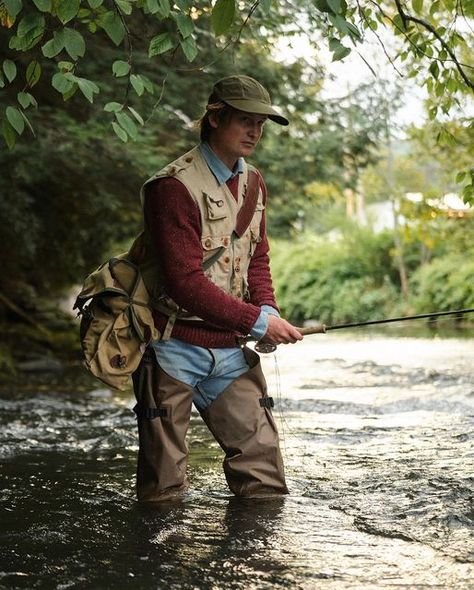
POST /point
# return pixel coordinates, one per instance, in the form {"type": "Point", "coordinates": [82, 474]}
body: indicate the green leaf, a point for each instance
{"type": "Point", "coordinates": [8, 133]}
{"type": "Point", "coordinates": [61, 83]}
{"type": "Point", "coordinates": [189, 48]}
{"type": "Point", "coordinates": [125, 6]}
{"type": "Point", "coordinates": [126, 122]}
{"type": "Point", "coordinates": [398, 23]}
{"type": "Point", "coordinates": [26, 99]}
{"type": "Point", "coordinates": [137, 84]}
{"type": "Point", "coordinates": [43, 5]}
{"type": "Point", "coordinates": [265, 6]}
{"type": "Point", "coordinates": [27, 121]}
{"type": "Point", "coordinates": [340, 23]}
{"type": "Point", "coordinates": [339, 50]}
{"type": "Point", "coordinates": [354, 31]}
{"type": "Point", "coordinates": [119, 132]}
{"type": "Point", "coordinates": [74, 43]}
{"type": "Point", "coordinates": [152, 6]}
{"type": "Point", "coordinates": [23, 99]}
{"type": "Point", "coordinates": [137, 116]}
{"type": "Point", "coordinates": [65, 66]}
{"type": "Point", "coordinates": [33, 73]}
{"type": "Point", "coordinates": [164, 8]}
{"type": "Point", "coordinates": [66, 10]}
{"type": "Point", "coordinates": [460, 176]}
{"type": "Point", "coordinates": [88, 88]}
{"type": "Point", "coordinates": [185, 25]}
{"type": "Point", "coordinates": [10, 70]}
{"type": "Point", "coordinates": [113, 107]}
{"type": "Point", "coordinates": [160, 44]}
{"type": "Point", "coordinates": [54, 45]}
{"type": "Point", "coordinates": [13, 7]}
{"type": "Point", "coordinates": [113, 26]}
{"type": "Point", "coordinates": [2, 80]}
{"type": "Point", "coordinates": [95, 3]}
{"type": "Point", "coordinates": [15, 119]}
{"type": "Point", "coordinates": [335, 5]}
{"type": "Point", "coordinates": [434, 69]}
{"type": "Point", "coordinates": [120, 68]}
{"type": "Point", "coordinates": [435, 7]}
{"type": "Point", "coordinates": [417, 6]}
{"type": "Point", "coordinates": [222, 16]}
{"type": "Point", "coordinates": [147, 83]}
{"type": "Point", "coordinates": [32, 22]}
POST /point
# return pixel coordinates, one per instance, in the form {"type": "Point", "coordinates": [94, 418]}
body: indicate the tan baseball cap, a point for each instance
{"type": "Point", "coordinates": [246, 94]}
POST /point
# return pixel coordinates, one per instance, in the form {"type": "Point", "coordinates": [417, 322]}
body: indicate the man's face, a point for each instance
{"type": "Point", "coordinates": [236, 136]}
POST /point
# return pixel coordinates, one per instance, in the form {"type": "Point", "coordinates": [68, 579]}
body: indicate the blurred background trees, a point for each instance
{"type": "Point", "coordinates": [96, 95]}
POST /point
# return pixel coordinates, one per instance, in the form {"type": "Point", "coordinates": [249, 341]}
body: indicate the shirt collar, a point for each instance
{"type": "Point", "coordinates": [217, 166]}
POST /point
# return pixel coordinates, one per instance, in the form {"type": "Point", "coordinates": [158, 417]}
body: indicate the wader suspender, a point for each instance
{"type": "Point", "coordinates": [244, 217]}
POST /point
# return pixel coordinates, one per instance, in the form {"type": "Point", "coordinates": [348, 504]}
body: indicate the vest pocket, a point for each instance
{"type": "Point", "coordinates": [215, 207]}
{"type": "Point", "coordinates": [219, 272]}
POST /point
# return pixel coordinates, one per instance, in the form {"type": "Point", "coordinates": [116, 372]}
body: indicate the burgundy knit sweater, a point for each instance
{"type": "Point", "coordinates": [174, 222]}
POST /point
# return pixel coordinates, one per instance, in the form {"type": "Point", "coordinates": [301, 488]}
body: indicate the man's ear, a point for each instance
{"type": "Point", "coordinates": [213, 120]}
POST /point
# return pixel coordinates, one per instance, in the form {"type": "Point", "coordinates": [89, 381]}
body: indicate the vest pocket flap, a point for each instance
{"type": "Point", "coordinates": [215, 207]}
{"type": "Point", "coordinates": [213, 242]}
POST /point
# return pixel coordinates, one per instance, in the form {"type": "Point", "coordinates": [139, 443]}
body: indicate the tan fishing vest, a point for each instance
{"type": "Point", "coordinates": [218, 209]}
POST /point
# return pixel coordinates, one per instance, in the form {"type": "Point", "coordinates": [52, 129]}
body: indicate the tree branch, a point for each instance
{"type": "Point", "coordinates": [429, 27]}
{"type": "Point", "coordinates": [362, 13]}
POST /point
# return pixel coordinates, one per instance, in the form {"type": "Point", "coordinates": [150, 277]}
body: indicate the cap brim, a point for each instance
{"type": "Point", "coordinates": [259, 108]}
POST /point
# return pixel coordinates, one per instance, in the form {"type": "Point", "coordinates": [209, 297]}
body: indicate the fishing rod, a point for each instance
{"type": "Point", "coordinates": [264, 347]}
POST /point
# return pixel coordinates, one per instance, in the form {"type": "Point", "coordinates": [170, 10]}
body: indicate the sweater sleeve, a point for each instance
{"type": "Point", "coordinates": [174, 222]}
{"type": "Point", "coordinates": [259, 275]}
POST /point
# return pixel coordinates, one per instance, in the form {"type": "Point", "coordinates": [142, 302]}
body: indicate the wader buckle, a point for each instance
{"type": "Point", "coordinates": [267, 402]}
{"type": "Point", "coordinates": [150, 413]}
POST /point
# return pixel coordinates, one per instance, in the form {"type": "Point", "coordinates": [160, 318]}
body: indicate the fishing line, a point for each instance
{"type": "Point", "coordinates": [286, 429]}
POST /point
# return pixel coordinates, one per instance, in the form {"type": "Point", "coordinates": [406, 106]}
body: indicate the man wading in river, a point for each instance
{"type": "Point", "coordinates": [205, 223]}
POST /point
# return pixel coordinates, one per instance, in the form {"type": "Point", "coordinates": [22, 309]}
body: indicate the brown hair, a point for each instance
{"type": "Point", "coordinates": [222, 111]}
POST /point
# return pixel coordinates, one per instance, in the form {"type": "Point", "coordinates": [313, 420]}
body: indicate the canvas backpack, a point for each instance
{"type": "Point", "coordinates": [116, 320]}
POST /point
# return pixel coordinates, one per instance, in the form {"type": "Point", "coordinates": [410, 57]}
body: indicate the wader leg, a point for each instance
{"type": "Point", "coordinates": [241, 421]}
{"type": "Point", "coordinates": [163, 411]}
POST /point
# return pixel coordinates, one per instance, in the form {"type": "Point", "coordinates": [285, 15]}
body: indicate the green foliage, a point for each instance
{"type": "Point", "coordinates": [445, 283]}
{"type": "Point", "coordinates": [335, 282]}
{"type": "Point", "coordinates": [431, 44]}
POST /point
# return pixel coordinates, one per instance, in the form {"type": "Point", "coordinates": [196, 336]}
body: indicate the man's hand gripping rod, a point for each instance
{"type": "Point", "coordinates": [267, 347]}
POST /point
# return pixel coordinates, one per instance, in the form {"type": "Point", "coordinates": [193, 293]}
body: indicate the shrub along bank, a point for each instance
{"type": "Point", "coordinates": [356, 279]}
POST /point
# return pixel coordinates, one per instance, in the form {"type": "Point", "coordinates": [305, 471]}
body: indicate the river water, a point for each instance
{"type": "Point", "coordinates": [378, 441]}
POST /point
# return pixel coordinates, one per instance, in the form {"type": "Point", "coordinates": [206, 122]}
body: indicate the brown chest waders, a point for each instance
{"type": "Point", "coordinates": [240, 420]}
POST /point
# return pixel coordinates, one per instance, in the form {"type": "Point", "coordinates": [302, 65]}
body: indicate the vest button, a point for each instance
{"type": "Point", "coordinates": [225, 241]}
{"type": "Point", "coordinates": [237, 269]}
{"type": "Point", "coordinates": [188, 159]}
{"type": "Point", "coordinates": [239, 293]}
{"type": "Point", "coordinates": [208, 243]}
{"type": "Point", "coordinates": [227, 259]}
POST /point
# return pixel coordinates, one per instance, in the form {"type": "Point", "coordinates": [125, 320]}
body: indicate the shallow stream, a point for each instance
{"type": "Point", "coordinates": [378, 441]}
